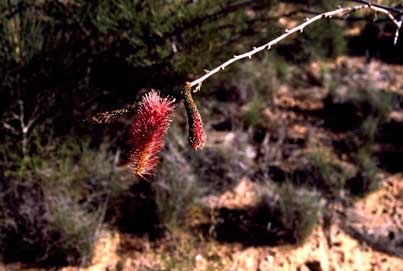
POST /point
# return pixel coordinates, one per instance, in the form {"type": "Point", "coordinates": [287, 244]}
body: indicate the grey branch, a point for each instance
{"type": "Point", "coordinates": [288, 32]}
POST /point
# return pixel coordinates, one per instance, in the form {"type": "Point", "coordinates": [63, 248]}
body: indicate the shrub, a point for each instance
{"type": "Point", "coordinates": [217, 169]}
{"type": "Point", "coordinates": [366, 180]}
{"type": "Point", "coordinates": [368, 110]}
{"type": "Point", "coordinates": [254, 114]}
{"type": "Point", "coordinates": [262, 76]}
{"type": "Point", "coordinates": [73, 228]}
{"type": "Point", "coordinates": [300, 210]}
{"type": "Point", "coordinates": [358, 104]}
{"type": "Point", "coordinates": [177, 188]}
{"type": "Point", "coordinates": [287, 212]}
{"type": "Point", "coordinates": [52, 201]}
{"type": "Point", "coordinates": [326, 173]}
{"type": "Point", "coordinates": [322, 40]}
{"type": "Point", "coordinates": [377, 105]}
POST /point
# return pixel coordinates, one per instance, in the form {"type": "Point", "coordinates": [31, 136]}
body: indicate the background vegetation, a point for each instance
{"type": "Point", "coordinates": [62, 62]}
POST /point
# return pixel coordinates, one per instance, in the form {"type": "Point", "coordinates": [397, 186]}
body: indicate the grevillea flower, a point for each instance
{"type": "Point", "coordinates": [197, 135]}
{"type": "Point", "coordinates": [147, 132]}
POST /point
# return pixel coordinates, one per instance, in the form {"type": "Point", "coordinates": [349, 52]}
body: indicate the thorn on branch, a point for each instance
{"type": "Point", "coordinates": [197, 88]}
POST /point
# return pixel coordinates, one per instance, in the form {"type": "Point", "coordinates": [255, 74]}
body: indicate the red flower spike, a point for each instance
{"type": "Point", "coordinates": [197, 135]}
{"type": "Point", "coordinates": [147, 132]}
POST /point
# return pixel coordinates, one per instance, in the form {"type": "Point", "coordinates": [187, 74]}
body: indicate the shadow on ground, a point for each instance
{"type": "Point", "coordinates": [136, 212]}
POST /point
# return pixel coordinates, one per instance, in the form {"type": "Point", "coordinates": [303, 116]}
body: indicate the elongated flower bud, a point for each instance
{"type": "Point", "coordinates": [147, 132]}
{"type": "Point", "coordinates": [197, 135]}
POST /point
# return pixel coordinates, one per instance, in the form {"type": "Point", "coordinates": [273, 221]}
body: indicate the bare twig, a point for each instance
{"type": "Point", "coordinates": [288, 32]}
{"type": "Point", "coordinates": [21, 124]}
{"type": "Point", "coordinates": [110, 116]}
{"type": "Point", "coordinates": [399, 26]}
{"type": "Point", "coordinates": [366, 2]}
{"type": "Point", "coordinates": [9, 127]}
{"type": "Point", "coordinates": [26, 126]}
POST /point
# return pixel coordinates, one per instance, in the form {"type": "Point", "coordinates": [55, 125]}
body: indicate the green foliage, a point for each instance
{"type": "Point", "coordinates": [366, 179]}
{"type": "Point", "coordinates": [370, 102]}
{"type": "Point", "coordinates": [178, 189]}
{"type": "Point", "coordinates": [293, 211]}
{"type": "Point", "coordinates": [74, 225]}
{"type": "Point", "coordinates": [260, 79]}
{"type": "Point", "coordinates": [180, 256]}
{"type": "Point", "coordinates": [184, 261]}
{"type": "Point", "coordinates": [253, 115]}
{"type": "Point", "coordinates": [376, 106]}
{"type": "Point", "coordinates": [300, 210]}
{"type": "Point", "coordinates": [263, 75]}
{"type": "Point", "coordinates": [327, 174]}
{"type": "Point", "coordinates": [52, 201]}
{"type": "Point", "coordinates": [289, 212]}
{"type": "Point", "coordinates": [115, 48]}
{"type": "Point", "coordinates": [368, 110]}
{"type": "Point", "coordinates": [177, 193]}
{"type": "Point", "coordinates": [23, 37]}
{"type": "Point", "coordinates": [65, 59]}
{"type": "Point", "coordinates": [321, 40]}
{"type": "Point", "coordinates": [186, 36]}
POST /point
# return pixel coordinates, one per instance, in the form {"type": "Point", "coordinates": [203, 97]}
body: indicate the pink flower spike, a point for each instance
{"type": "Point", "coordinates": [148, 131]}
